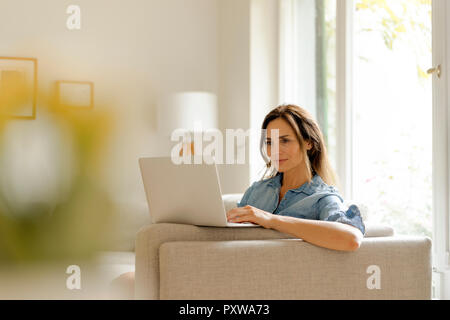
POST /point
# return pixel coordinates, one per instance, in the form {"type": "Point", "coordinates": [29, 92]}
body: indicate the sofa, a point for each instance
{"type": "Point", "coordinates": [176, 261]}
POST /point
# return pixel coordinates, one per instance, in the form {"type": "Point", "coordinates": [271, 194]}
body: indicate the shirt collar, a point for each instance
{"type": "Point", "coordinates": [308, 187]}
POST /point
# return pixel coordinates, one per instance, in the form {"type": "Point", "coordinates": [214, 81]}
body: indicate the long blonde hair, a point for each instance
{"type": "Point", "coordinates": [306, 129]}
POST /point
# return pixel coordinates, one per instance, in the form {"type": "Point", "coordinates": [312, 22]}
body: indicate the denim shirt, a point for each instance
{"type": "Point", "coordinates": [315, 200]}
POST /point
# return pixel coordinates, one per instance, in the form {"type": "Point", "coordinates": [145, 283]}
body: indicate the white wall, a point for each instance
{"type": "Point", "coordinates": [132, 50]}
{"type": "Point", "coordinates": [248, 52]}
{"type": "Point", "coordinates": [264, 73]}
{"type": "Point", "coordinates": [234, 80]}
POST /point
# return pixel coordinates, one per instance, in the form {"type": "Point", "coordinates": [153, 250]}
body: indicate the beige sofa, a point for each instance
{"type": "Point", "coordinates": [175, 261]}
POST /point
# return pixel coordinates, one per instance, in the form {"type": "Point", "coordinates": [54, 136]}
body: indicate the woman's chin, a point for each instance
{"type": "Point", "coordinates": [281, 168]}
{"type": "Point", "coordinates": [282, 164]}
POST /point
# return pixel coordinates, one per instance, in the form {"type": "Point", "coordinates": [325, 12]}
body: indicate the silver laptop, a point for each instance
{"type": "Point", "coordinates": [186, 193]}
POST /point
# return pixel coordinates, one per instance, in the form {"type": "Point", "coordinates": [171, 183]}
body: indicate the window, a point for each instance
{"type": "Point", "coordinates": [390, 98]}
{"type": "Point", "coordinates": [393, 112]}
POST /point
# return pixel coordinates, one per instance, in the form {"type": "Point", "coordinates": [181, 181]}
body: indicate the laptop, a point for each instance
{"type": "Point", "coordinates": [185, 193]}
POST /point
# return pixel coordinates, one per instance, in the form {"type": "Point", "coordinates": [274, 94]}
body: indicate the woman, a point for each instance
{"type": "Point", "coordinates": [298, 197]}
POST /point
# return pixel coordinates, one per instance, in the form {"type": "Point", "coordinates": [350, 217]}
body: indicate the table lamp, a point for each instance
{"type": "Point", "coordinates": [190, 111]}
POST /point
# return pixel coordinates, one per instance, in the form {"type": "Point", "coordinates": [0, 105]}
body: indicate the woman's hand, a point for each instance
{"type": "Point", "coordinates": [251, 214]}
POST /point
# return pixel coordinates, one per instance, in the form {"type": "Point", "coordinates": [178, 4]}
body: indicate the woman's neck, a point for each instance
{"type": "Point", "coordinates": [295, 177]}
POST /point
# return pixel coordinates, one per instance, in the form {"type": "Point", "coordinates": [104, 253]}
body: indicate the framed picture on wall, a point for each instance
{"type": "Point", "coordinates": [19, 72]}
{"type": "Point", "coordinates": [75, 94]}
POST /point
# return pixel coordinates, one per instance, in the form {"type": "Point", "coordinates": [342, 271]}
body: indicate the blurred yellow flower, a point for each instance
{"type": "Point", "coordinates": [59, 209]}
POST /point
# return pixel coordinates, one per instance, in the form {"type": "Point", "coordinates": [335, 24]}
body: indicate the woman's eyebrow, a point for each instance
{"type": "Point", "coordinates": [279, 137]}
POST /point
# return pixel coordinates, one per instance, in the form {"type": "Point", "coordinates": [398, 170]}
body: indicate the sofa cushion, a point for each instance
{"type": "Point", "coordinates": [230, 200]}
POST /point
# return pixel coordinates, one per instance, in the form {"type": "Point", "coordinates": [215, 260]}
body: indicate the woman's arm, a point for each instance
{"type": "Point", "coordinates": [327, 234]}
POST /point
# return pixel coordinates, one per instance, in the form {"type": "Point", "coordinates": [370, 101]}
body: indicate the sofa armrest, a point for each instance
{"type": "Point", "coordinates": [294, 269]}
{"type": "Point", "coordinates": [151, 237]}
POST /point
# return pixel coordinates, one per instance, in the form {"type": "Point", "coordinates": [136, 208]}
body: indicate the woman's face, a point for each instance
{"type": "Point", "coordinates": [288, 156]}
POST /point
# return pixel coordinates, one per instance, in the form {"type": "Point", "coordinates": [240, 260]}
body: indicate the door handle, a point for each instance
{"type": "Point", "coordinates": [436, 70]}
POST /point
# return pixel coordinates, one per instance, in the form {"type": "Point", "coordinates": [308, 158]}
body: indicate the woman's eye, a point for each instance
{"type": "Point", "coordinates": [281, 141]}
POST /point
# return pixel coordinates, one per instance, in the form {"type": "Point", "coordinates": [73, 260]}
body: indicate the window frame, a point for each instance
{"type": "Point", "coordinates": [441, 159]}
{"type": "Point", "coordinates": [345, 115]}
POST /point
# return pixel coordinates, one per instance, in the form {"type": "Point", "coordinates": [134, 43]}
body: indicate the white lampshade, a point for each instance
{"type": "Point", "coordinates": [186, 110]}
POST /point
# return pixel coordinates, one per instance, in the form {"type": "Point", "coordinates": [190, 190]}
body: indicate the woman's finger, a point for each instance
{"type": "Point", "coordinates": [235, 211]}
{"type": "Point", "coordinates": [238, 219]}
{"type": "Point", "coordinates": [231, 212]}
{"type": "Point", "coordinates": [235, 216]}
{"type": "Point", "coordinates": [242, 218]}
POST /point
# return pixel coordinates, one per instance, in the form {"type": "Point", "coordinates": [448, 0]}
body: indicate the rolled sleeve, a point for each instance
{"type": "Point", "coordinates": [331, 208]}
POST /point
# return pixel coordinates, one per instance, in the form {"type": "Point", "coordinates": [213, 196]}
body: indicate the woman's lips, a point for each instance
{"type": "Point", "coordinates": [282, 161]}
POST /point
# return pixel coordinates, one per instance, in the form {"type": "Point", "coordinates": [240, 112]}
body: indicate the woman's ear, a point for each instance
{"type": "Point", "coordinates": [308, 145]}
